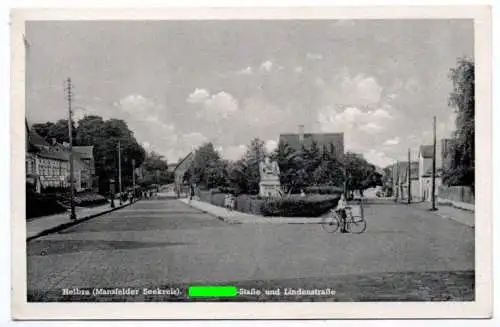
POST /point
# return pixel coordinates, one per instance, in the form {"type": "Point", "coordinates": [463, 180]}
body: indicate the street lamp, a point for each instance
{"type": "Point", "coordinates": [112, 192]}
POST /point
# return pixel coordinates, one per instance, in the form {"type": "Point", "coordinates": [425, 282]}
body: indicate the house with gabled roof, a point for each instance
{"type": "Point", "coordinates": [425, 159]}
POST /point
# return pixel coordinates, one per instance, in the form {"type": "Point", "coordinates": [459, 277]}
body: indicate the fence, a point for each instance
{"type": "Point", "coordinates": [457, 194]}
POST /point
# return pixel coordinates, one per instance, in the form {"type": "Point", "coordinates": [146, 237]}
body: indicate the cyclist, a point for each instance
{"type": "Point", "coordinates": [341, 212]}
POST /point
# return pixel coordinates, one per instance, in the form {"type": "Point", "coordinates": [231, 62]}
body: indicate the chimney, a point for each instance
{"type": "Point", "coordinates": [301, 134]}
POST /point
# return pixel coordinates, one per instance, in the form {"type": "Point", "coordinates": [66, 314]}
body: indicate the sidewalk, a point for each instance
{"type": "Point", "coordinates": [236, 217]}
{"type": "Point", "coordinates": [41, 226]}
{"type": "Point", "coordinates": [462, 216]}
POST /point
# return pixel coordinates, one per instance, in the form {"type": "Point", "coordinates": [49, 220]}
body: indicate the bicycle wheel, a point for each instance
{"type": "Point", "coordinates": [330, 224]}
{"type": "Point", "coordinates": [356, 225]}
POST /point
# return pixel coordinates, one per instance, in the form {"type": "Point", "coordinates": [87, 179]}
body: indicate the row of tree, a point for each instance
{"type": "Point", "coordinates": [462, 100]}
{"type": "Point", "coordinates": [309, 166]}
{"type": "Point", "coordinates": [105, 135]}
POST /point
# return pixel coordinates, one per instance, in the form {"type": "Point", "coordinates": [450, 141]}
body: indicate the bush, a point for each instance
{"type": "Point", "coordinates": [294, 206]}
{"type": "Point", "coordinates": [324, 189]}
{"type": "Point", "coordinates": [38, 205]}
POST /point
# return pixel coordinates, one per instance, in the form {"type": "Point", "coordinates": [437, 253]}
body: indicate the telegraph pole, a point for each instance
{"type": "Point", "coordinates": [120, 171]}
{"type": "Point", "coordinates": [133, 179]}
{"type": "Point", "coordinates": [396, 182]}
{"type": "Point", "coordinates": [434, 168]}
{"type": "Point", "coordinates": [71, 168]}
{"type": "Point", "coordinates": [409, 176]}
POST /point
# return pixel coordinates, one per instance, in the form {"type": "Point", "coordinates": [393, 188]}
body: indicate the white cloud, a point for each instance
{"type": "Point", "coordinates": [314, 56]}
{"type": "Point", "coordinates": [246, 71]}
{"type": "Point", "coordinates": [266, 66]}
{"type": "Point", "coordinates": [220, 105]}
{"type": "Point", "coordinates": [371, 127]}
{"type": "Point", "coordinates": [233, 152]}
{"type": "Point", "coordinates": [299, 69]}
{"type": "Point", "coordinates": [198, 96]}
{"type": "Point", "coordinates": [378, 158]}
{"type": "Point", "coordinates": [394, 141]}
{"type": "Point", "coordinates": [271, 145]}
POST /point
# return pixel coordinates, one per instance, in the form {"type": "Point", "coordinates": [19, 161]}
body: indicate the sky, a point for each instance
{"type": "Point", "coordinates": [179, 84]}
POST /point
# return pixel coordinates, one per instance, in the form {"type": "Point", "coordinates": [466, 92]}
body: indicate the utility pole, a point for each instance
{"type": "Point", "coordinates": [409, 176]}
{"type": "Point", "coordinates": [120, 171]}
{"type": "Point", "coordinates": [133, 179]}
{"type": "Point", "coordinates": [434, 168]}
{"type": "Point", "coordinates": [69, 87]}
{"type": "Point", "coordinates": [396, 182]}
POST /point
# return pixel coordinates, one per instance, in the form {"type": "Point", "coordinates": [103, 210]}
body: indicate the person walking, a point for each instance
{"type": "Point", "coordinates": [341, 212]}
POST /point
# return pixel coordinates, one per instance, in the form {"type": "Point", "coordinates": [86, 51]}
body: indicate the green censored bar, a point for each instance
{"type": "Point", "coordinates": [212, 291]}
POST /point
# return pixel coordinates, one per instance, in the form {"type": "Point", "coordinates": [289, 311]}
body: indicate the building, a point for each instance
{"type": "Point", "coordinates": [322, 140]}
{"type": "Point", "coordinates": [425, 168]}
{"type": "Point", "coordinates": [400, 178]}
{"type": "Point", "coordinates": [47, 165]}
{"type": "Point", "coordinates": [86, 154]}
{"type": "Point", "coordinates": [180, 172]}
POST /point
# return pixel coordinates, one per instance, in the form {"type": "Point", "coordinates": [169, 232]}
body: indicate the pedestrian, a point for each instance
{"type": "Point", "coordinates": [341, 212]}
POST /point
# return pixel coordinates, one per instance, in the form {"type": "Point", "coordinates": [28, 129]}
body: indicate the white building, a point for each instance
{"type": "Point", "coordinates": [425, 173]}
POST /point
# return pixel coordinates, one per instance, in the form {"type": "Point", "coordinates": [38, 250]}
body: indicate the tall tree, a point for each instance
{"type": "Point", "coordinates": [57, 131]}
{"type": "Point", "coordinates": [207, 168]}
{"type": "Point", "coordinates": [462, 100]}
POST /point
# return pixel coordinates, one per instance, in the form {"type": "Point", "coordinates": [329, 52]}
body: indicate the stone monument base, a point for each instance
{"type": "Point", "coordinates": [270, 189]}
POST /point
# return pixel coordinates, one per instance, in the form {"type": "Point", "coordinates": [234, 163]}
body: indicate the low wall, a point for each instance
{"type": "Point", "coordinates": [457, 194]}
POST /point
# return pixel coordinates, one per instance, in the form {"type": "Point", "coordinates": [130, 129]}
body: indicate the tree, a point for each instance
{"type": "Point", "coordinates": [58, 131]}
{"type": "Point", "coordinates": [255, 154]}
{"type": "Point", "coordinates": [462, 100]}
{"type": "Point", "coordinates": [104, 136]}
{"type": "Point", "coordinates": [207, 168]}
{"type": "Point", "coordinates": [360, 173]}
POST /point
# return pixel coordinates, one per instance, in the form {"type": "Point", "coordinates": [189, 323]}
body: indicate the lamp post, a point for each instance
{"type": "Point", "coordinates": [112, 192]}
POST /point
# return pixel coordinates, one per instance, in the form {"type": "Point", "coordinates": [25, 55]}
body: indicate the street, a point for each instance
{"type": "Point", "coordinates": [405, 254]}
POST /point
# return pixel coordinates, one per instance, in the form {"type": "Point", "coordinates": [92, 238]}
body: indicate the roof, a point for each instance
{"type": "Point", "coordinates": [189, 156]}
{"type": "Point", "coordinates": [84, 152]}
{"type": "Point", "coordinates": [34, 138]}
{"type": "Point", "coordinates": [53, 154]}
{"type": "Point", "coordinates": [322, 139]}
{"type": "Point", "coordinates": [426, 151]}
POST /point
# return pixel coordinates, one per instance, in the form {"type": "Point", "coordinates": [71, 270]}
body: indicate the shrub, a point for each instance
{"type": "Point", "coordinates": [38, 205]}
{"type": "Point", "coordinates": [324, 189]}
{"type": "Point", "coordinates": [296, 206]}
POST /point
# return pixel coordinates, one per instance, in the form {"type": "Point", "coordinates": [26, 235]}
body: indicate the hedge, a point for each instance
{"type": "Point", "coordinates": [292, 206]}
{"type": "Point", "coordinates": [309, 206]}
{"type": "Point", "coordinates": [38, 205]}
{"type": "Point", "coordinates": [324, 189]}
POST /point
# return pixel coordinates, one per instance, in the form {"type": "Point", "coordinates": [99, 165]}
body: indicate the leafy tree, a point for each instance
{"type": "Point", "coordinates": [462, 100]}
{"type": "Point", "coordinates": [54, 131]}
{"type": "Point", "coordinates": [207, 168]}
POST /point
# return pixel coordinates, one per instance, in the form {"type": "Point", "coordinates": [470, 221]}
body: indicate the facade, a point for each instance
{"type": "Point", "coordinates": [47, 165]}
{"type": "Point", "coordinates": [425, 177]}
{"type": "Point", "coordinates": [401, 176]}
{"type": "Point", "coordinates": [180, 171]}
{"type": "Point", "coordinates": [323, 140]}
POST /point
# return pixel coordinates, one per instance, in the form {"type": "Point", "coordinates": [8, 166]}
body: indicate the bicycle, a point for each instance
{"type": "Point", "coordinates": [354, 224]}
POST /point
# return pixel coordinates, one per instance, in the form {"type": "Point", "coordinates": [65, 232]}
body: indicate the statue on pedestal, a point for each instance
{"type": "Point", "coordinates": [269, 178]}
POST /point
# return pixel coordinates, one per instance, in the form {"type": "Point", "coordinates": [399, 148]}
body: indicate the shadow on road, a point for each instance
{"type": "Point", "coordinates": [54, 247]}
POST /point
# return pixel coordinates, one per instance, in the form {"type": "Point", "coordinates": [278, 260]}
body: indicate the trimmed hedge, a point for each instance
{"type": "Point", "coordinates": [309, 206]}
{"type": "Point", "coordinates": [292, 206]}
{"type": "Point", "coordinates": [324, 189]}
{"type": "Point", "coordinates": [38, 205]}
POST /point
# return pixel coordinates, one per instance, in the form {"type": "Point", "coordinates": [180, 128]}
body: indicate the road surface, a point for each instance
{"type": "Point", "coordinates": [405, 254]}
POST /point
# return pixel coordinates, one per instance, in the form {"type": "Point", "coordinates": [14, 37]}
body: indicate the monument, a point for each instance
{"type": "Point", "coordinates": [269, 185]}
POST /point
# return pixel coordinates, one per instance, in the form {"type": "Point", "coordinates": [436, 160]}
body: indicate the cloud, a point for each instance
{"type": "Point", "coordinates": [394, 141]}
{"type": "Point", "coordinates": [246, 71]}
{"type": "Point", "coordinates": [371, 128]}
{"type": "Point", "coordinates": [266, 66]}
{"type": "Point", "coordinates": [220, 105]}
{"type": "Point", "coordinates": [378, 158]}
{"type": "Point", "coordinates": [233, 152]}
{"type": "Point", "coordinates": [298, 69]}
{"type": "Point", "coordinates": [271, 145]}
{"type": "Point", "coordinates": [314, 56]}
{"type": "Point", "coordinates": [198, 96]}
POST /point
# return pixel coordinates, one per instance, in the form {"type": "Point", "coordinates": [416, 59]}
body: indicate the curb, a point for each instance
{"type": "Point", "coordinates": [239, 222]}
{"type": "Point", "coordinates": [69, 224]}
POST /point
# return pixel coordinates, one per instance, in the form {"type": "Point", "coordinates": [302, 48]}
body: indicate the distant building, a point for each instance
{"type": "Point", "coordinates": [180, 172]}
{"type": "Point", "coordinates": [47, 165]}
{"type": "Point", "coordinates": [400, 178]}
{"type": "Point", "coordinates": [425, 159]}
{"type": "Point", "coordinates": [323, 140]}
